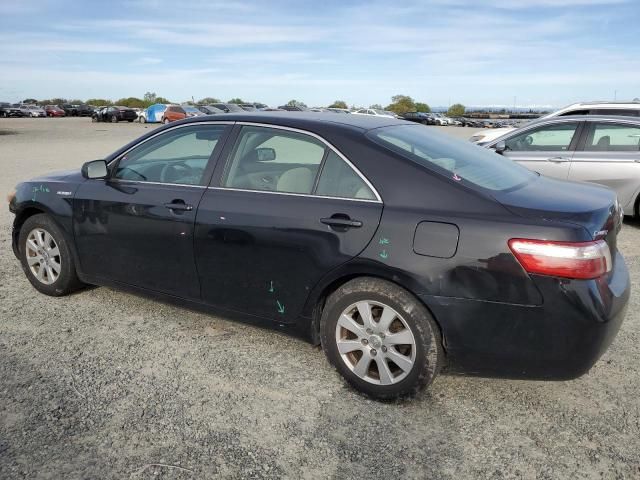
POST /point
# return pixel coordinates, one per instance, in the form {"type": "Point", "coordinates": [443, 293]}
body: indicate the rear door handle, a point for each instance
{"type": "Point", "coordinates": [341, 222]}
{"type": "Point", "coordinates": [179, 205]}
{"type": "Point", "coordinates": [558, 159]}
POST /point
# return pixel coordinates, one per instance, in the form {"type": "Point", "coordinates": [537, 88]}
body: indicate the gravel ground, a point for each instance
{"type": "Point", "coordinates": [104, 384]}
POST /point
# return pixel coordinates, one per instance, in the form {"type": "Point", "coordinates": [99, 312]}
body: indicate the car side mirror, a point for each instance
{"type": "Point", "coordinates": [266, 154]}
{"type": "Point", "coordinates": [95, 169]}
{"type": "Point", "coordinates": [500, 147]}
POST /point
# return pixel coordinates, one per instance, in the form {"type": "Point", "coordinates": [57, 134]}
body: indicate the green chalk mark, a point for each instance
{"type": "Point", "coordinates": [280, 307]}
{"type": "Point", "coordinates": [383, 254]}
{"type": "Point", "coordinates": [384, 241]}
{"type": "Point", "coordinates": [271, 290]}
{"type": "Point", "coordinates": [39, 188]}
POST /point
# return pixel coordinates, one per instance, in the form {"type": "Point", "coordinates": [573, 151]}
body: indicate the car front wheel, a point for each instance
{"type": "Point", "coordinates": [46, 257]}
{"type": "Point", "coordinates": [381, 339]}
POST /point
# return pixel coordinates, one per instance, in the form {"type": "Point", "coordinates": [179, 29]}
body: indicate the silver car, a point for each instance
{"type": "Point", "coordinates": [590, 148]}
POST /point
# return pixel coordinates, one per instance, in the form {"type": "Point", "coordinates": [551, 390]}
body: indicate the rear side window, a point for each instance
{"type": "Point", "coordinates": [548, 138]}
{"type": "Point", "coordinates": [274, 160]}
{"type": "Point", "coordinates": [613, 138]}
{"type": "Point", "coordinates": [460, 161]}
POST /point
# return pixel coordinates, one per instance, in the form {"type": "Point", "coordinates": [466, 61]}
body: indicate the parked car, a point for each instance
{"type": "Point", "coordinates": [415, 251]}
{"type": "Point", "coordinates": [248, 107]}
{"type": "Point", "coordinates": [36, 111]}
{"type": "Point", "coordinates": [419, 117]}
{"type": "Point", "coordinates": [631, 109]}
{"type": "Point", "coordinates": [69, 110]}
{"type": "Point", "coordinates": [173, 113]}
{"type": "Point", "coordinates": [591, 148]}
{"type": "Point", "coordinates": [228, 107]}
{"type": "Point", "coordinates": [210, 110]}
{"type": "Point", "coordinates": [114, 114]}
{"type": "Point", "coordinates": [293, 108]}
{"type": "Point", "coordinates": [54, 111]}
{"type": "Point", "coordinates": [338, 110]}
{"type": "Point", "coordinates": [8, 110]}
{"type": "Point", "coordinates": [84, 110]}
{"type": "Point", "coordinates": [375, 112]}
{"type": "Point", "coordinates": [192, 111]}
{"type": "Point", "coordinates": [152, 114]}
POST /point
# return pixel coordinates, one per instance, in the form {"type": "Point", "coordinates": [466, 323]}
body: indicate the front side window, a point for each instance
{"type": "Point", "coordinates": [459, 161]}
{"type": "Point", "coordinates": [613, 138]}
{"type": "Point", "coordinates": [550, 138]}
{"type": "Point", "coordinates": [274, 160]}
{"type": "Point", "coordinates": [178, 156]}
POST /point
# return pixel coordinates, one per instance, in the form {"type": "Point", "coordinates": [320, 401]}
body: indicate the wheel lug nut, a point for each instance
{"type": "Point", "coordinates": [373, 352]}
{"type": "Point", "coordinates": [381, 335]}
{"type": "Point", "coordinates": [365, 341]}
{"type": "Point", "coordinates": [369, 331]}
{"type": "Point", "coordinates": [384, 349]}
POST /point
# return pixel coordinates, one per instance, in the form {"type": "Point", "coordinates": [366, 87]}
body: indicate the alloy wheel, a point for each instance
{"type": "Point", "coordinates": [43, 256]}
{"type": "Point", "coordinates": [375, 342]}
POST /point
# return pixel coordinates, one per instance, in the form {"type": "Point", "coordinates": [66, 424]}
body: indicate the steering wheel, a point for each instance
{"type": "Point", "coordinates": [172, 171]}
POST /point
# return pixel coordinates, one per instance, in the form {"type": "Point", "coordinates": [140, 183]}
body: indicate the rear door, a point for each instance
{"type": "Point", "coordinates": [610, 155]}
{"type": "Point", "coordinates": [546, 149]}
{"type": "Point", "coordinates": [284, 209]}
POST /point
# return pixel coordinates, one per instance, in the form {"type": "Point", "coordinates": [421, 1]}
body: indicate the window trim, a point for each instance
{"type": "Point", "coordinates": [577, 134]}
{"type": "Point", "coordinates": [378, 199]}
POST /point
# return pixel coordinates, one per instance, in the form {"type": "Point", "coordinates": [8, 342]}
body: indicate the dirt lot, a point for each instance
{"type": "Point", "coordinates": [104, 384]}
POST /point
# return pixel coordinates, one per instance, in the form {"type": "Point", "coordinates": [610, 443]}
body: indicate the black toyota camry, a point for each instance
{"type": "Point", "coordinates": [398, 249]}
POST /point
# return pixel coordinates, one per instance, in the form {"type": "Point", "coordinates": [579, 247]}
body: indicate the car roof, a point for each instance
{"type": "Point", "coordinates": [305, 119]}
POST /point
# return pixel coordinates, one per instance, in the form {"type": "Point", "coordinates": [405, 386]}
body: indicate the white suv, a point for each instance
{"type": "Point", "coordinates": [627, 109]}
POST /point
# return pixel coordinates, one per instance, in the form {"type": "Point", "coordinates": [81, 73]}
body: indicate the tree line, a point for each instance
{"type": "Point", "coordinates": [400, 104]}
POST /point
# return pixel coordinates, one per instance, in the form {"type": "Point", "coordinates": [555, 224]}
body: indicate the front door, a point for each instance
{"type": "Point", "coordinates": [285, 209]}
{"type": "Point", "coordinates": [547, 149]}
{"type": "Point", "coordinates": [137, 226]}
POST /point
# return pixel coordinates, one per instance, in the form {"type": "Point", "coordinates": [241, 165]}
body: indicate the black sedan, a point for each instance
{"type": "Point", "coordinates": [7, 110]}
{"type": "Point", "coordinates": [114, 114]}
{"type": "Point", "coordinates": [401, 251]}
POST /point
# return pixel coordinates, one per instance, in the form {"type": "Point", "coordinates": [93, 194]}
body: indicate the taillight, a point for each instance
{"type": "Point", "coordinates": [581, 260]}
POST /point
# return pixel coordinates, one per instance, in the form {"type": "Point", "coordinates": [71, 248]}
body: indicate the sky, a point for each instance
{"type": "Point", "coordinates": [490, 52]}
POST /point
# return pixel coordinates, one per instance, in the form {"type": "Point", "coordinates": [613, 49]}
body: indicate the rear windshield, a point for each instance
{"type": "Point", "coordinates": [460, 161]}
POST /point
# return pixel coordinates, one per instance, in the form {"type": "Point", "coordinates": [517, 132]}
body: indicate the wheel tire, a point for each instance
{"type": "Point", "coordinates": [67, 280]}
{"type": "Point", "coordinates": [94, 119]}
{"type": "Point", "coordinates": [427, 359]}
{"type": "Point", "coordinates": [114, 119]}
{"type": "Point", "coordinates": [143, 120]}
{"type": "Point", "coordinates": [165, 121]}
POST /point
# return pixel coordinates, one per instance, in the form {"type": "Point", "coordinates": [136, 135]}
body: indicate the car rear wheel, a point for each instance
{"type": "Point", "coordinates": [114, 119]}
{"type": "Point", "coordinates": [143, 120]}
{"type": "Point", "coordinates": [382, 340]}
{"type": "Point", "coordinates": [165, 121]}
{"type": "Point", "coordinates": [46, 258]}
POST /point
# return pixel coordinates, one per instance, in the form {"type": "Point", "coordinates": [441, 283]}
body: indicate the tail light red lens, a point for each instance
{"type": "Point", "coordinates": [580, 260]}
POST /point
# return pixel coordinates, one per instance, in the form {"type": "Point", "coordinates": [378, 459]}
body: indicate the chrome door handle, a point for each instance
{"type": "Point", "coordinates": [558, 159]}
{"type": "Point", "coordinates": [341, 222]}
{"type": "Point", "coordinates": [175, 205]}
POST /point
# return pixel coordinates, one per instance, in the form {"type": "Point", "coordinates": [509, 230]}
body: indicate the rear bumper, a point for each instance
{"type": "Point", "coordinates": [558, 340]}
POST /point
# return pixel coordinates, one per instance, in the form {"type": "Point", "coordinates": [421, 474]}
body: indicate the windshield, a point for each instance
{"type": "Point", "coordinates": [460, 161]}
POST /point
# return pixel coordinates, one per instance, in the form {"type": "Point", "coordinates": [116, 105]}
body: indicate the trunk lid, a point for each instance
{"type": "Point", "coordinates": [591, 206]}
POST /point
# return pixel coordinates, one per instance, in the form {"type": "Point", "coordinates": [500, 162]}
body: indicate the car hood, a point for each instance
{"type": "Point", "coordinates": [593, 207]}
{"type": "Point", "coordinates": [489, 135]}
